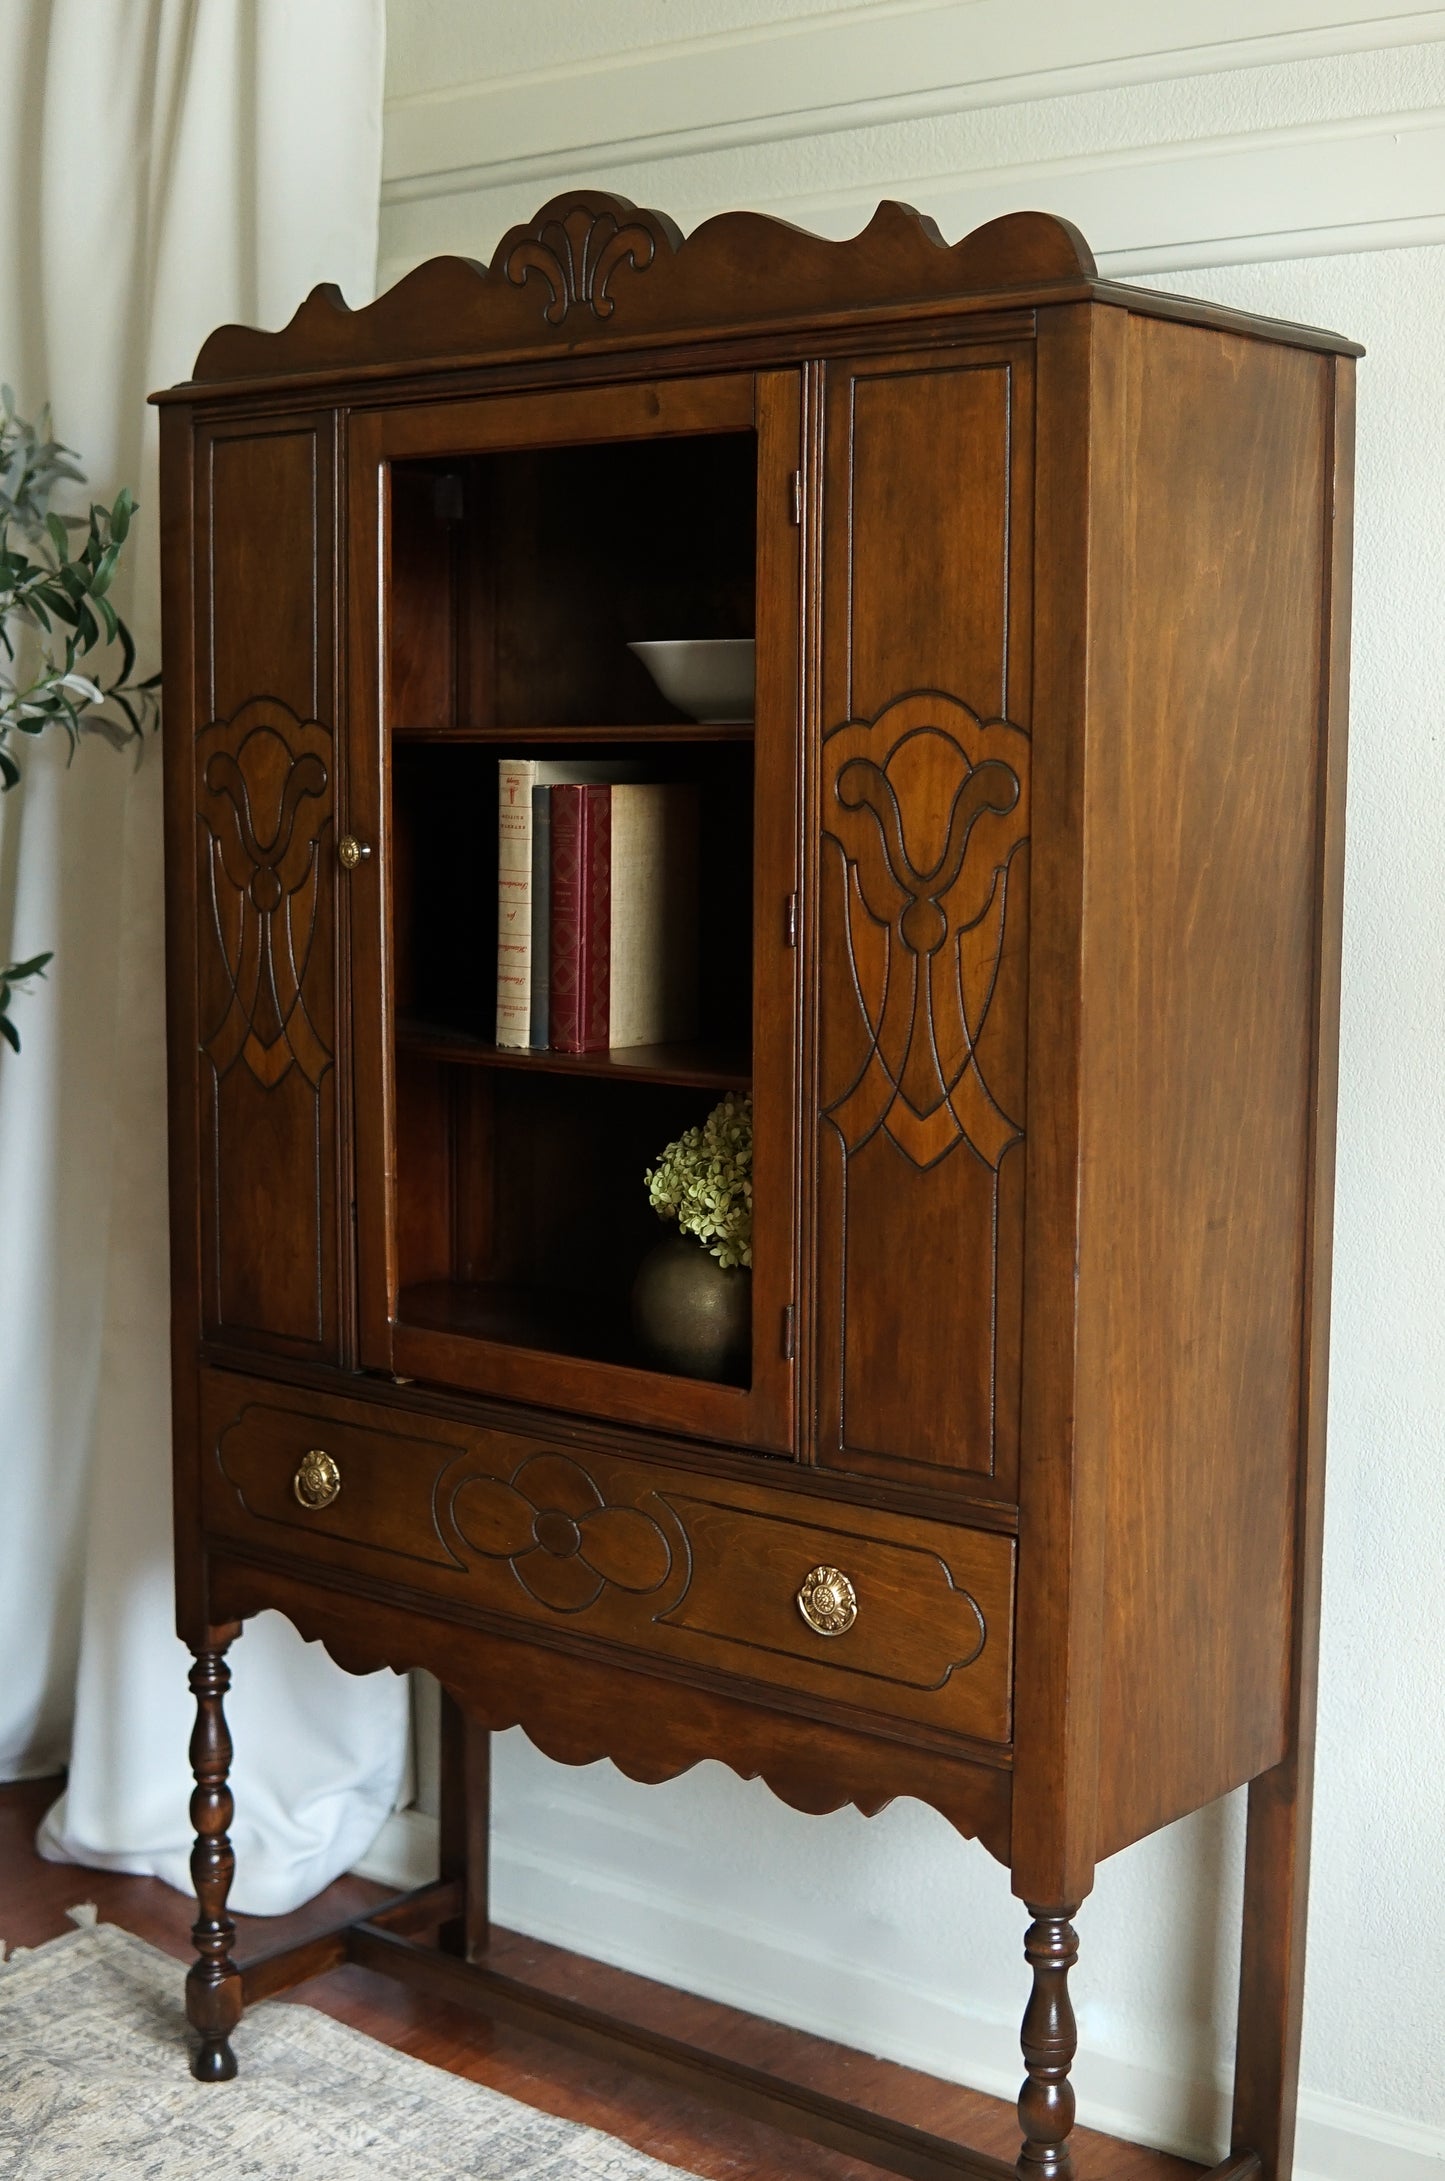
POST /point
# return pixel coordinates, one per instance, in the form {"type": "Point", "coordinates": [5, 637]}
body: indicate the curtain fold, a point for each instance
{"type": "Point", "coordinates": [173, 164]}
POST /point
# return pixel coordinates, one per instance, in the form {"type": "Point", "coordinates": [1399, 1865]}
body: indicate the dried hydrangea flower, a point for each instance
{"type": "Point", "coordinates": [705, 1181]}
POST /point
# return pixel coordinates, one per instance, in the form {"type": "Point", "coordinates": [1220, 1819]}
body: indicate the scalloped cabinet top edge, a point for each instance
{"type": "Point", "coordinates": [592, 270]}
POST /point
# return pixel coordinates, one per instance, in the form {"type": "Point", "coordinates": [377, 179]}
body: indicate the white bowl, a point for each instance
{"type": "Point", "coordinates": [709, 677]}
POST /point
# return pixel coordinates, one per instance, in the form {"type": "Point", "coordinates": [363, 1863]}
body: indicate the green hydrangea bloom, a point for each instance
{"type": "Point", "coordinates": [705, 1181]}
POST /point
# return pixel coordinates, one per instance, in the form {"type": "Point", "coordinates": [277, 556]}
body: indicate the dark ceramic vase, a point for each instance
{"type": "Point", "coordinates": [693, 1315]}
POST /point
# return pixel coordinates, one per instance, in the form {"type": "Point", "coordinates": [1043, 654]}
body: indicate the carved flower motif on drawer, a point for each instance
{"type": "Point", "coordinates": [564, 1543]}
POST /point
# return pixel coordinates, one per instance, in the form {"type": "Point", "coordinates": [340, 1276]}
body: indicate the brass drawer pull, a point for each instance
{"type": "Point", "coordinates": [828, 1602]}
{"type": "Point", "coordinates": [351, 851]}
{"type": "Point", "coordinates": [317, 1481]}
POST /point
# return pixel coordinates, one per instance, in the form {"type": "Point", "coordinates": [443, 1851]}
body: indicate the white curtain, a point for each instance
{"type": "Point", "coordinates": [168, 165]}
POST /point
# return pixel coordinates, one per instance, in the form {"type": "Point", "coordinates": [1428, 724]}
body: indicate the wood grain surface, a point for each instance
{"type": "Point", "coordinates": [1020, 920]}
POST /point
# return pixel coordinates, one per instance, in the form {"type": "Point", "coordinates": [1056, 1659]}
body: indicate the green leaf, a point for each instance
{"type": "Point", "coordinates": [8, 1030]}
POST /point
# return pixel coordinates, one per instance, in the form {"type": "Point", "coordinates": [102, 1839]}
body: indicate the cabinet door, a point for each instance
{"type": "Point", "coordinates": [504, 552]}
{"type": "Point", "coordinates": [271, 1209]}
{"type": "Point", "coordinates": [923, 907]}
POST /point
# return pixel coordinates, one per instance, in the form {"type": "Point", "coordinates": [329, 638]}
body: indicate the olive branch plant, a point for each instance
{"type": "Point", "coordinates": [55, 611]}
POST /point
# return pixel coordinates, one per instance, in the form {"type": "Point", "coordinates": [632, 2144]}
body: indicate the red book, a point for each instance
{"type": "Point", "coordinates": [580, 999]}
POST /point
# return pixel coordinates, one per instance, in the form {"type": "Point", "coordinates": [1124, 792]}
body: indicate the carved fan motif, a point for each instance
{"type": "Point", "coordinates": [926, 806]}
{"type": "Point", "coordinates": [564, 1544]}
{"type": "Point", "coordinates": [262, 798]}
{"type": "Point", "coordinates": [577, 249]}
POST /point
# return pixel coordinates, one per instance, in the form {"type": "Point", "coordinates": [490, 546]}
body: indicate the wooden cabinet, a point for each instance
{"type": "Point", "coordinates": [1020, 923]}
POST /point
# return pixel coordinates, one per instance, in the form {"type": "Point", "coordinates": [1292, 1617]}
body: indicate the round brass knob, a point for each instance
{"type": "Point", "coordinates": [317, 1480]}
{"type": "Point", "coordinates": [351, 851]}
{"type": "Point", "coordinates": [828, 1602]}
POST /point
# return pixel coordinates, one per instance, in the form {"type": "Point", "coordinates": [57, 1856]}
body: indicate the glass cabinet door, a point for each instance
{"type": "Point", "coordinates": [515, 762]}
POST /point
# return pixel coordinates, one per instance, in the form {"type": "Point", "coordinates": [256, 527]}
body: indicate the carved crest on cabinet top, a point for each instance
{"type": "Point", "coordinates": [263, 800]}
{"type": "Point", "coordinates": [575, 249]}
{"type": "Point", "coordinates": [564, 1542]}
{"type": "Point", "coordinates": [926, 806]}
{"type": "Point", "coordinates": [572, 265]}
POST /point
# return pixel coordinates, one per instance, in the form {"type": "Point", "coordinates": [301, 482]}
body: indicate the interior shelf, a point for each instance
{"type": "Point", "coordinates": [595, 1328]}
{"type": "Point", "coordinates": [506, 738]}
{"type": "Point", "coordinates": [516, 582]}
{"type": "Point", "coordinates": [704, 1066]}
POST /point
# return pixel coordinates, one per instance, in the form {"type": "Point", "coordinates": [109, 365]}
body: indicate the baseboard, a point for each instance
{"type": "Point", "coordinates": [404, 1852]}
{"type": "Point", "coordinates": [742, 1963]}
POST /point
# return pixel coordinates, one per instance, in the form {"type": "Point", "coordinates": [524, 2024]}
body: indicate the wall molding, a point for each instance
{"type": "Point", "coordinates": [1332, 188]}
{"type": "Point", "coordinates": [847, 69]}
{"type": "Point", "coordinates": [1335, 187]}
{"type": "Point", "coordinates": [677, 1938]}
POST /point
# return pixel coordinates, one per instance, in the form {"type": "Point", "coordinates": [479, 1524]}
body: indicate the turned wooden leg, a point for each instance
{"type": "Point", "coordinates": [1050, 2039]}
{"type": "Point", "coordinates": [213, 1987]}
{"type": "Point", "coordinates": [466, 1815]}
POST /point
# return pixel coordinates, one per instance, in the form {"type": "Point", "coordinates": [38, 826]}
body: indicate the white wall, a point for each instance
{"type": "Point", "coordinates": [1292, 157]}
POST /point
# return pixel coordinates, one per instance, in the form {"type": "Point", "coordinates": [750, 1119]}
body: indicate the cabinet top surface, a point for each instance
{"type": "Point", "coordinates": [592, 273]}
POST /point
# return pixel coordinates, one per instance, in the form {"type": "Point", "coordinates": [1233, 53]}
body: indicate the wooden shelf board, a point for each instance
{"type": "Point", "coordinates": [709, 1067]}
{"type": "Point", "coordinates": [683, 730]}
{"type": "Point", "coordinates": [592, 1328]}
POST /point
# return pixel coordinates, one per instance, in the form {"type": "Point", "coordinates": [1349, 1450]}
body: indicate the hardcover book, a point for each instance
{"type": "Point", "coordinates": [517, 778]}
{"type": "Point", "coordinates": [623, 915]}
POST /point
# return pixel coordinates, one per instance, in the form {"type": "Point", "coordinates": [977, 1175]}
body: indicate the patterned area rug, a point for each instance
{"type": "Point", "coordinates": [94, 2082]}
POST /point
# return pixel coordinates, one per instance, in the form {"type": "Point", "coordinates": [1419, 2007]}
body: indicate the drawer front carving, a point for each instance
{"type": "Point", "coordinates": [839, 1605]}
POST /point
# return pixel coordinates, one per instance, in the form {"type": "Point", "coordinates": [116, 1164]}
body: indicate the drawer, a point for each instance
{"type": "Point", "coordinates": [896, 1616]}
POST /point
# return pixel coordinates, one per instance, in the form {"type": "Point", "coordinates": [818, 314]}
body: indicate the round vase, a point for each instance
{"type": "Point", "coordinates": [693, 1315]}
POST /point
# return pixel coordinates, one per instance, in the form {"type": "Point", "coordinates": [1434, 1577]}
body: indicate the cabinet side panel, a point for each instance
{"type": "Point", "coordinates": [265, 876]}
{"type": "Point", "coordinates": [923, 867]}
{"type": "Point", "coordinates": [1201, 885]}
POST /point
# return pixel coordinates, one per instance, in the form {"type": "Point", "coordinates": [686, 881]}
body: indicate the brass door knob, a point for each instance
{"type": "Point", "coordinates": [828, 1602]}
{"type": "Point", "coordinates": [351, 851]}
{"type": "Point", "coordinates": [317, 1480]}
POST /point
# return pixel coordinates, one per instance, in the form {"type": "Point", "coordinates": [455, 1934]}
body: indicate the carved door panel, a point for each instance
{"type": "Point", "coordinates": [923, 905]}
{"type": "Point", "coordinates": [265, 779]}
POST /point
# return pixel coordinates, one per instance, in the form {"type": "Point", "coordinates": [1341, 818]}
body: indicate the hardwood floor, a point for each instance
{"type": "Point", "coordinates": [34, 1896]}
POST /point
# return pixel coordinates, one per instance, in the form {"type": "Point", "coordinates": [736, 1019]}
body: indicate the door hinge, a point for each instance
{"type": "Point", "coordinates": [790, 921]}
{"type": "Point", "coordinates": [796, 488]}
{"type": "Point", "coordinates": [787, 1333]}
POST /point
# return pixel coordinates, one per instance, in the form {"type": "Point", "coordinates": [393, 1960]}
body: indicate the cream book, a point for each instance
{"type": "Point", "coordinates": [516, 778]}
{"type": "Point", "coordinates": [653, 941]}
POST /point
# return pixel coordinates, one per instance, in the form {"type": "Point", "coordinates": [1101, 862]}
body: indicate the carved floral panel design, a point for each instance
{"type": "Point", "coordinates": [575, 250]}
{"type": "Point", "coordinates": [564, 1542]}
{"type": "Point", "coordinates": [927, 806]}
{"type": "Point", "coordinates": [264, 802]}
{"type": "Point", "coordinates": [266, 1026]}
{"type": "Point", "coordinates": [923, 981]}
